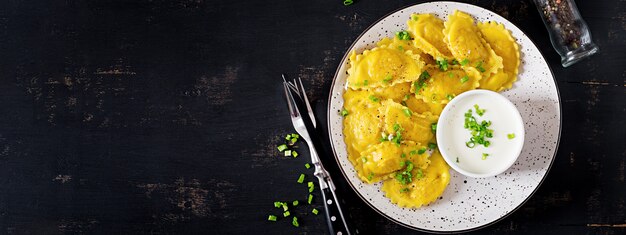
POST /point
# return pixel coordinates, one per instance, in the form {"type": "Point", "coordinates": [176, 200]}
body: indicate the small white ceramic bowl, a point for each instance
{"type": "Point", "coordinates": [502, 151]}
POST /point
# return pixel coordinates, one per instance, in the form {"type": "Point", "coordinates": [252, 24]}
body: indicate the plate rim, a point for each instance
{"type": "Point", "coordinates": [343, 173]}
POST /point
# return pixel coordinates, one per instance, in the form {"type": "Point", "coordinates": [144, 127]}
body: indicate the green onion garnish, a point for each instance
{"type": "Point", "coordinates": [374, 98]}
{"type": "Point", "coordinates": [510, 136]}
{"type": "Point", "coordinates": [348, 2]}
{"type": "Point", "coordinates": [295, 222]}
{"type": "Point", "coordinates": [479, 111]}
{"type": "Point", "coordinates": [415, 18]}
{"type": "Point", "coordinates": [364, 159]}
{"type": "Point", "coordinates": [464, 79]}
{"type": "Point", "coordinates": [465, 61]}
{"type": "Point", "coordinates": [278, 204]}
{"type": "Point", "coordinates": [309, 199]}
{"type": "Point", "coordinates": [282, 147]}
{"type": "Point", "coordinates": [311, 186]}
{"type": "Point", "coordinates": [449, 97]}
{"type": "Point", "coordinates": [294, 153]}
{"type": "Point", "coordinates": [403, 35]}
{"type": "Point", "coordinates": [455, 62]}
{"type": "Point", "coordinates": [400, 48]}
{"type": "Point", "coordinates": [406, 97]}
{"type": "Point", "coordinates": [479, 66]}
{"type": "Point", "coordinates": [301, 179]}
{"type": "Point", "coordinates": [405, 175]}
{"type": "Point", "coordinates": [370, 176]}
{"type": "Point", "coordinates": [344, 112]}
{"type": "Point", "coordinates": [286, 213]}
{"type": "Point", "coordinates": [485, 156]}
{"type": "Point", "coordinates": [402, 155]}
{"type": "Point", "coordinates": [420, 174]}
{"type": "Point", "coordinates": [479, 131]}
{"type": "Point", "coordinates": [387, 78]}
{"type": "Point", "coordinates": [307, 166]}
{"type": "Point", "coordinates": [450, 75]}
{"type": "Point", "coordinates": [285, 207]}
{"type": "Point", "coordinates": [432, 146]}
{"type": "Point", "coordinates": [314, 211]}
{"type": "Point", "coordinates": [442, 63]}
{"type": "Point", "coordinates": [404, 190]}
{"type": "Point", "coordinates": [295, 203]}
{"type": "Point", "coordinates": [433, 127]}
{"type": "Point", "coordinates": [407, 112]}
{"type": "Point", "coordinates": [365, 83]}
{"type": "Point", "coordinates": [421, 151]}
{"type": "Point", "coordinates": [287, 153]}
{"type": "Point", "coordinates": [271, 218]}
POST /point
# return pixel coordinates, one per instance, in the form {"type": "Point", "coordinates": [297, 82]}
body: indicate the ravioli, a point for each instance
{"type": "Point", "coordinates": [466, 44]}
{"type": "Point", "coordinates": [504, 45]}
{"type": "Point", "coordinates": [379, 161]}
{"type": "Point", "coordinates": [427, 31]}
{"type": "Point", "coordinates": [404, 124]}
{"type": "Point", "coordinates": [383, 66]}
{"type": "Point", "coordinates": [362, 126]}
{"type": "Point", "coordinates": [405, 45]}
{"type": "Point", "coordinates": [439, 87]}
{"type": "Point", "coordinates": [421, 190]}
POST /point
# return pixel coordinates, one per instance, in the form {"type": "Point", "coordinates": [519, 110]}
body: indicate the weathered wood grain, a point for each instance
{"type": "Point", "coordinates": [162, 117]}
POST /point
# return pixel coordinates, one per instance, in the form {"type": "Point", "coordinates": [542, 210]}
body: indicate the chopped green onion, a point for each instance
{"type": "Point", "coordinates": [374, 98]}
{"type": "Point", "coordinates": [406, 97]}
{"type": "Point", "coordinates": [370, 176]}
{"type": "Point", "coordinates": [432, 146]}
{"type": "Point", "coordinates": [285, 207]}
{"type": "Point", "coordinates": [364, 159]}
{"type": "Point", "coordinates": [295, 219]}
{"type": "Point", "coordinates": [479, 111]}
{"type": "Point", "coordinates": [295, 203]}
{"type": "Point", "coordinates": [309, 199]}
{"type": "Point", "coordinates": [464, 79]}
{"type": "Point", "coordinates": [271, 218]}
{"type": "Point", "coordinates": [479, 66]}
{"type": "Point", "coordinates": [314, 211]}
{"type": "Point", "coordinates": [449, 97]}
{"type": "Point", "coordinates": [455, 62]}
{"type": "Point", "coordinates": [288, 137]}
{"type": "Point", "coordinates": [301, 178]}
{"type": "Point", "coordinates": [287, 153]}
{"type": "Point", "coordinates": [465, 61]}
{"type": "Point", "coordinates": [407, 112]}
{"type": "Point", "coordinates": [344, 112]}
{"type": "Point", "coordinates": [433, 127]}
{"type": "Point", "coordinates": [400, 48]}
{"type": "Point", "coordinates": [403, 35]}
{"type": "Point", "coordinates": [485, 156]}
{"type": "Point", "coordinates": [402, 164]}
{"type": "Point", "coordinates": [405, 175]}
{"type": "Point", "coordinates": [278, 204]}
{"type": "Point", "coordinates": [282, 147]}
{"type": "Point", "coordinates": [415, 17]}
{"type": "Point", "coordinates": [450, 75]}
{"type": "Point", "coordinates": [365, 83]}
{"type": "Point", "coordinates": [307, 166]}
{"type": "Point", "coordinates": [402, 155]}
{"type": "Point", "coordinates": [413, 152]}
{"type": "Point", "coordinates": [404, 190]}
{"type": "Point", "coordinates": [348, 2]}
{"type": "Point", "coordinates": [387, 78]}
{"type": "Point", "coordinates": [420, 174]}
{"type": "Point", "coordinates": [442, 63]}
{"type": "Point", "coordinates": [286, 213]}
{"type": "Point", "coordinates": [510, 136]}
{"type": "Point", "coordinates": [421, 151]}
{"type": "Point", "coordinates": [311, 187]}
{"type": "Point", "coordinates": [294, 153]}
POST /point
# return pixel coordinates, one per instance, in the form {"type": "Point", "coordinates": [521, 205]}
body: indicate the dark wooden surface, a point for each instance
{"type": "Point", "coordinates": [162, 116]}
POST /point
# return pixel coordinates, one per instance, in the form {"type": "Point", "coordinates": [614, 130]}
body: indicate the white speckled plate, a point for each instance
{"type": "Point", "coordinates": [468, 203]}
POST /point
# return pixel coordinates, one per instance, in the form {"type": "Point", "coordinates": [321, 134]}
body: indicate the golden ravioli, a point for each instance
{"type": "Point", "coordinates": [428, 184]}
{"type": "Point", "coordinates": [427, 31]}
{"type": "Point", "coordinates": [404, 124]}
{"type": "Point", "coordinates": [362, 125]}
{"type": "Point", "coordinates": [405, 45]}
{"type": "Point", "coordinates": [502, 42]}
{"type": "Point", "coordinates": [382, 159]}
{"type": "Point", "coordinates": [439, 87]}
{"type": "Point", "coordinates": [468, 46]}
{"type": "Point", "coordinates": [383, 66]}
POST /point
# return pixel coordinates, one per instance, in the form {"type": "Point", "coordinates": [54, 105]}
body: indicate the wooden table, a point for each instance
{"type": "Point", "coordinates": [163, 117]}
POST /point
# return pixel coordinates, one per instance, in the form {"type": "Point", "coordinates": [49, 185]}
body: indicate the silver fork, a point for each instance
{"type": "Point", "coordinates": [334, 215]}
{"type": "Point", "coordinates": [299, 89]}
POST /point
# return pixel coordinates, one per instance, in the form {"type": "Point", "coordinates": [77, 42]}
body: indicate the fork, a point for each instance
{"type": "Point", "coordinates": [334, 215]}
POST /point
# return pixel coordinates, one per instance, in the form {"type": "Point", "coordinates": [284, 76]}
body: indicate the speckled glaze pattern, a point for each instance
{"type": "Point", "coordinates": [467, 203]}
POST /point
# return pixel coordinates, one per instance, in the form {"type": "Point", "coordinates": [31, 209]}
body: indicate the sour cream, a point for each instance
{"type": "Point", "coordinates": [505, 123]}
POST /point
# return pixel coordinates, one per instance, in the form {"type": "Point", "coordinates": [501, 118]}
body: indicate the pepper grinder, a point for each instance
{"type": "Point", "coordinates": [569, 33]}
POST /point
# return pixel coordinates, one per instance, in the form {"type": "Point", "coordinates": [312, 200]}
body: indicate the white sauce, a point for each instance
{"type": "Point", "coordinates": [452, 136]}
